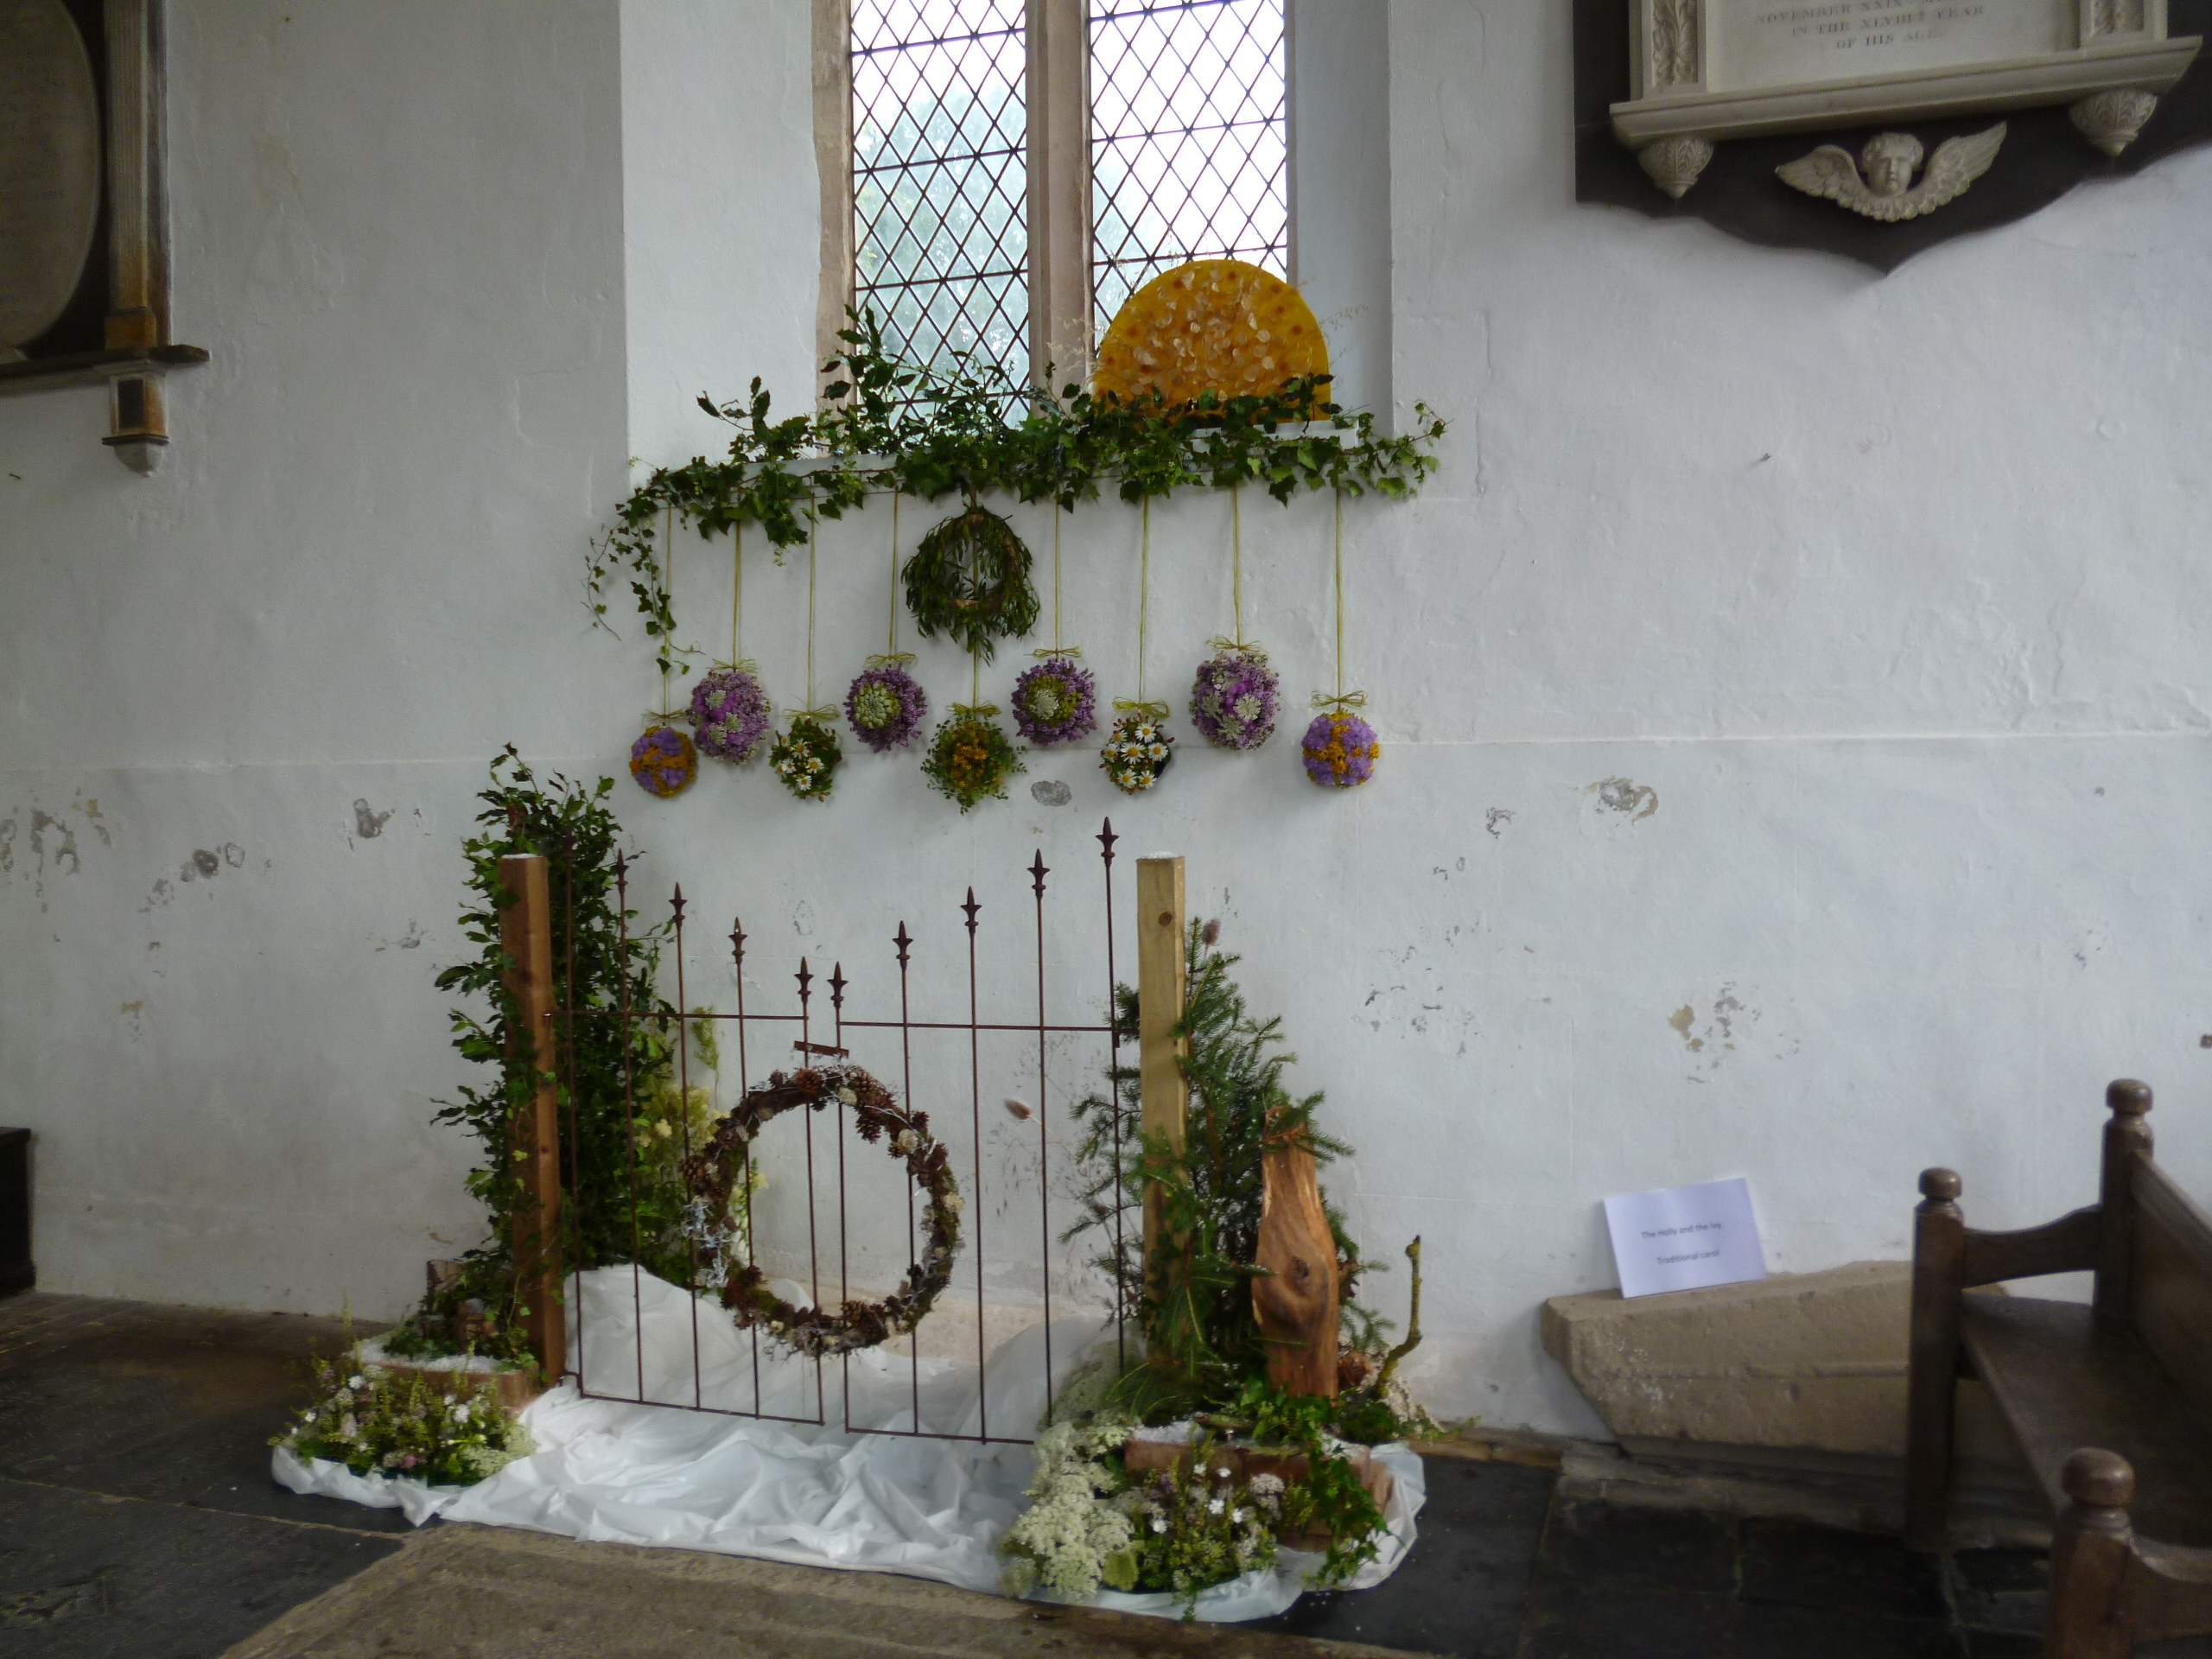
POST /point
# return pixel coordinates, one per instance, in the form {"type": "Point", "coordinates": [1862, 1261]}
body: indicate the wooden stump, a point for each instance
{"type": "Point", "coordinates": [1296, 1299]}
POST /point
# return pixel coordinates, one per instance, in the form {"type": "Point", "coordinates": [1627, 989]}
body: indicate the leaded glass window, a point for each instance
{"type": "Point", "coordinates": [1187, 159]}
{"type": "Point", "coordinates": [940, 177]}
{"type": "Point", "coordinates": [1188, 155]}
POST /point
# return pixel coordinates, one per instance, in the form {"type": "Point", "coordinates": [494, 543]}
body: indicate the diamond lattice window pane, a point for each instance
{"type": "Point", "coordinates": [940, 178]}
{"type": "Point", "coordinates": [1187, 142]}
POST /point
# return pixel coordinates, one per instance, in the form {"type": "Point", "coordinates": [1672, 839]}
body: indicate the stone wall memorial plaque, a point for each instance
{"type": "Point", "coordinates": [1703, 72]}
{"type": "Point", "coordinates": [49, 168]}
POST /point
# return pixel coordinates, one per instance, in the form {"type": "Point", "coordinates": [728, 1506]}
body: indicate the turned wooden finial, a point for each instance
{"type": "Point", "coordinates": [1940, 1185]}
{"type": "Point", "coordinates": [2098, 1480]}
{"type": "Point", "coordinates": [2128, 1098]}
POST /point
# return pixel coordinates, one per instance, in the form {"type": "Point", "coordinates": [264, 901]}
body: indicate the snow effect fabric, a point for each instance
{"type": "Point", "coordinates": [619, 1471]}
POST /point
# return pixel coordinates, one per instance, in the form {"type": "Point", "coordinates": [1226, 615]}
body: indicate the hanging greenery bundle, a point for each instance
{"type": "Point", "coordinates": [1340, 749]}
{"type": "Point", "coordinates": [1140, 748]}
{"type": "Point", "coordinates": [1056, 700]}
{"type": "Point", "coordinates": [729, 712]}
{"type": "Point", "coordinates": [805, 757]}
{"type": "Point", "coordinates": [1235, 697]}
{"type": "Point", "coordinates": [971, 756]}
{"type": "Point", "coordinates": [885, 704]}
{"type": "Point", "coordinates": [664, 760]}
{"type": "Point", "coordinates": [970, 580]}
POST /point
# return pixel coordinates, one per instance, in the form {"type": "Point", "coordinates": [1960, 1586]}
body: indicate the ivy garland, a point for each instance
{"type": "Point", "coordinates": [970, 579]}
{"type": "Point", "coordinates": [719, 1171]}
{"type": "Point", "coordinates": [892, 426]}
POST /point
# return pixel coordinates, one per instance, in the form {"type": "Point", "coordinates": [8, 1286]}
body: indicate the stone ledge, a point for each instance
{"type": "Point", "coordinates": [1808, 1364]}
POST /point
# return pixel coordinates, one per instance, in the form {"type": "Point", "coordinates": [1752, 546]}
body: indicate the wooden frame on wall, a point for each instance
{"type": "Point", "coordinates": [115, 328]}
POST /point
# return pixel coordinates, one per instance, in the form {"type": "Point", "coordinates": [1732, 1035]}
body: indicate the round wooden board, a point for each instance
{"type": "Point", "coordinates": [1214, 325]}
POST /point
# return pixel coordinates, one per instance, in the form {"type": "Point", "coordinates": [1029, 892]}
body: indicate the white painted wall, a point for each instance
{"type": "Point", "coordinates": [1808, 651]}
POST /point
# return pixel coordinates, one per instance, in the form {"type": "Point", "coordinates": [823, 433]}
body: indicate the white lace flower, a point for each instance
{"type": "Point", "coordinates": [1216, 1506]}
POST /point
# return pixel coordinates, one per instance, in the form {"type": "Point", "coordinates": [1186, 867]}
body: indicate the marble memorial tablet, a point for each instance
{"type": "Point", "coordinates": [1707, 71]}
{"type": "Point", "coordinates": [49, 167]}
{"type": "Point", "coordinates": [1795, 43]}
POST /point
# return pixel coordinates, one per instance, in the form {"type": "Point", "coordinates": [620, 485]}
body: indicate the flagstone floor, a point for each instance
{"type": "Point", "coordinates": [137, 1517]}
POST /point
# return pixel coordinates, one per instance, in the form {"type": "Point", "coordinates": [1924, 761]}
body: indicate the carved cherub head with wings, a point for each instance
{"type": "Point", "coordinates": [1887, 193]}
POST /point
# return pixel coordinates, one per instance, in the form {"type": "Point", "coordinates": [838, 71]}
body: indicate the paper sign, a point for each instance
{"type": "Point", "coordinates": [1685, 1237]}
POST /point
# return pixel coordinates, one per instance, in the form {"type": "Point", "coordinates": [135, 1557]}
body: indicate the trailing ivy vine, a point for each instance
{"type": "Point", "coordinates": [892, 426]}
{"type": "Point", "coordinates": [611, 1144]}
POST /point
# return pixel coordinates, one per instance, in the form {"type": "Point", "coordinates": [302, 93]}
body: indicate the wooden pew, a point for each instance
{"type": "Point", "coordinates": [2111, 1403]}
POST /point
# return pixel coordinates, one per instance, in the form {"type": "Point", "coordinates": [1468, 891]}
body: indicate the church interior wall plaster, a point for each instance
{"type": "Point", "coordinates": [1795, 705]}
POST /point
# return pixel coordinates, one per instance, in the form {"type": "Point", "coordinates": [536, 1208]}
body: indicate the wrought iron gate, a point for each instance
{"type": "Point", "coordinates": [858, 1017]}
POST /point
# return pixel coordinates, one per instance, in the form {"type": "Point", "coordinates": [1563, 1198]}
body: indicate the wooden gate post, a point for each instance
{"type": "Point", "coordinates": [1161, 969]}
{"type": "Point", "coordinates": [526, 934]}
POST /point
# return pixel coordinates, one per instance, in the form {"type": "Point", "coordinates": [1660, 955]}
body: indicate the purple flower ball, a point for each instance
{"type": "Point", "coordinates": [664, 761]}
{"type": "Point", "coordinates": [1341, 750]}
{"type": "Point", "coordinates": [1234, 699]}
{"type": "Point", "coordinates": [730, 711]}
{"type": "Point", "coordinates": [1056, 701]}
{"type": "Point", "coordinates": [886, 706]}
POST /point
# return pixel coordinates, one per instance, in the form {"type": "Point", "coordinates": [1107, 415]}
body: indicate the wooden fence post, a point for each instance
{"type": "Point", "coordinates": [526, 934]}
{"type": "Point", "coordinates": [1162, 967]}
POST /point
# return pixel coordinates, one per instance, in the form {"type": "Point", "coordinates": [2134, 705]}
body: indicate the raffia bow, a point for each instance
{"type": "Point", "coordinates": [824, 717]}
{"type": "Point", "coordinates": [743, 666]}
{"type": "Point", "coordinates": [1342, 701]}
{"type": "Point", "coordinates": [985, 709]}
{"type": "Point", "coordinates": [1045, 653]}
{"type": "Point", "coordinates": [1223, 643]}
{"type": "Point", "coordinates": [1150, 710]}
{"type": "Point", "coordinates": [891, 659]}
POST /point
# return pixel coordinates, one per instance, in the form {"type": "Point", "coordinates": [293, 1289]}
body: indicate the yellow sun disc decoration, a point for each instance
{"type": "Point", "coordinates": [1213, 325]}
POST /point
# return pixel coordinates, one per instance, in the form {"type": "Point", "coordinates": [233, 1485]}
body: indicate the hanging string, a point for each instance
{"type": "Point", "coordinates": [892, 656]}
{"type": "Point", "coordinates": [668, 588]}
{"type": "Point", "coordinates": [1138, 705]}
{"type": "Point", "coordinates": [811, 712]}
{"type": "Point", "coordinates": [1342, 699]}
{"type": "Point", "coordinates": [1056, 649]}
{"type": "Point", "coordinates": [1236, 642]}
{"type": "Point", "coordinates": [736, 586]}
{"type": "Point", "coordinates": [1236, 557]}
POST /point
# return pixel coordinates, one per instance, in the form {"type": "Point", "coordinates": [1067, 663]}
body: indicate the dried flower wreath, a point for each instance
{"type": "Point", "coordinates": [718, 1170]}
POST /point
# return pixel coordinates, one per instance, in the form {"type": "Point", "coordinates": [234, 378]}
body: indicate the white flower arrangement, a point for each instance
{"type": "Point", "coordinates": [1070, 1542]}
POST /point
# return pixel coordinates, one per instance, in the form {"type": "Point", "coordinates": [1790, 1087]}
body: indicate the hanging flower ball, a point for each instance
{"type": "Point", "coordinates": [1056, 700]}
{"type": "Point", "coordinates": [664, 761]}
{"type": "Point", "coordinates": [806, 756]}
{"type": "Point", "coordinates": [886, 705]}
{"type": "Point", "coordinates": [971, 756]}
{"type": "Point", "coordinates": [1235, 697]}
{"type": "Point", "coordinates": [1341, 750]}
{"type": "Point", "coordinates": [729, 710]}
{"type": "Point", "coordinates": [1140, 749]}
